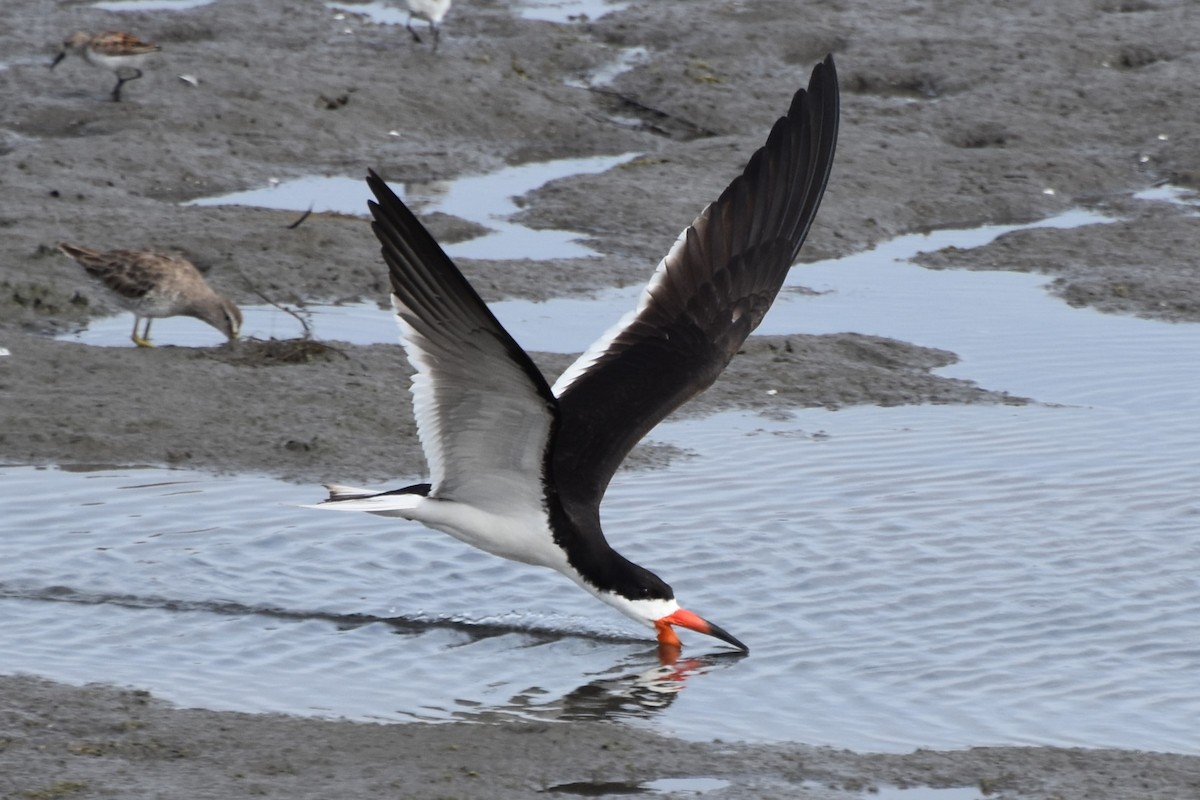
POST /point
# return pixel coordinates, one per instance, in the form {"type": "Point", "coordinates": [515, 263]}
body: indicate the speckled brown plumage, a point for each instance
{"type": "Point", "coordinates": [157, 285]}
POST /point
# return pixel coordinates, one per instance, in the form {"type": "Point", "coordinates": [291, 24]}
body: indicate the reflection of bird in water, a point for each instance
{"type": "Point", "coordinates": [519, 468]}
{"type": "Point", "coordinates": [119, 53]}
{"type": "Point", "coordinates": [422, 194]}
{"type": "Point", "coordinates": [432, 12]}
{"type": "Point", "coordinates": [640, 694]}
{"type": "Point", "coordinates": [156, 285]}
{"type": "Point", "coordinates": [618, 694]}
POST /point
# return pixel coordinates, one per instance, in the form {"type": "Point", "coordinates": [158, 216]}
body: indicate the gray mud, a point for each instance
{"type": "Point", "coordinates": [98, 741]}
{"type": "Point", "coordinates": [955, 117]}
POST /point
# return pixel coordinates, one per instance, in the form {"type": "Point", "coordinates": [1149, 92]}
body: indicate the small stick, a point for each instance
{"type": "Point", "coordinates": [303, 217]}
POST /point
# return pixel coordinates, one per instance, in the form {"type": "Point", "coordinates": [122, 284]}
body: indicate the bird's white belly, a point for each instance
{"type": "Point", "coordinates": [116, 63]}
{"type": "Point", "coordinates": [526, 538]}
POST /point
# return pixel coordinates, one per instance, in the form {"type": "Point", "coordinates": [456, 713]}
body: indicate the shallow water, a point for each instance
{"type": "Point", "coordinates": [484, 199]}
{"type": "Point", "coordinates": [931, 576]}
{"type": "Point", "coordinates": [546, 10]}
{"type": "Point", "coordinates": [627, 58]}
{"type": "Point", "coordinates": [150, 5]}
{"type": "Point", "coordinates": [1188, 198]}
{"type": "Point", "coordinates": [676, 787]}
{"type": "Point", "coordinates": [916, 304]}
{"type": "Point", "coordinates": [569, 10]}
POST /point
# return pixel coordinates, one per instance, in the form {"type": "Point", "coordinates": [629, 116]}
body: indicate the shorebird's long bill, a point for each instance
{"type": "Point", "coordinates": [686, 619]}
{"type": "Point", "coordinates": [58, 58]}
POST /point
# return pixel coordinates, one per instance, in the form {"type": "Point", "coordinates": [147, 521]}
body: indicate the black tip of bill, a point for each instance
{"type": "Point", "coordinates": [718, 632]}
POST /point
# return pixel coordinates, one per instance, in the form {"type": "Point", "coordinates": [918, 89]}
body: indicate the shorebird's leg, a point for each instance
{"type": "Point", "coordinates": [437, 35]}
{"type": "Point", "coordinates": [408, 24]}
{"type": "Point", "coordinates": [121, 81]}
{"type": "Point", "coordinates": [144, 339]}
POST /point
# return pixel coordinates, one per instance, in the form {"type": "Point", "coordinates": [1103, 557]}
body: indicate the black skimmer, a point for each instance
{"type": "Point", "coordinates": [519, 468]}
{"type": "Point", "coordinates": [155, 285]}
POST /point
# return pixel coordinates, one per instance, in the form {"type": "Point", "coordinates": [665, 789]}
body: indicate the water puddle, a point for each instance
{"type": "Point", "coordinates": [378, 12]}
{"type": "Point", "coordinates": [626, 59]}
{"type": "Point", "coordinates": [1043, 585]}
{"type": "Point", "coordinates": [569, 10]}
{"type": "Point", "coordinates": [925, 793]}
{"type": "Point", "coordinates": [876, 292]}
{"type": "Point", "coordinates": [150, 5]}
{"type": "Point", "coordinates": [544, 10]}
{"type": "Point", "coordinates": [674, 786]}
{"type": "Point", "coordinates": [1178, 195]}
{"type": "Point", "coordinates": [487, 200]}
{"type": "Point", "coordinates": [360, 323]}
{"type": "Point", "coordinates": [484, 199]}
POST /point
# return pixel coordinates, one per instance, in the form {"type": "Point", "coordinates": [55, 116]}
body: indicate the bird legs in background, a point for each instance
{"type": "Point", "coordinates": [417, 37]}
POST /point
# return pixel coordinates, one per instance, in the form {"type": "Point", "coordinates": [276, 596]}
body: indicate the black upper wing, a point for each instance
{"type": "Point", "coordinates": [710, 291]}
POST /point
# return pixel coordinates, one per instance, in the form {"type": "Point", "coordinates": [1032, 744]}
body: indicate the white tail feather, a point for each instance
{"type": "Point", "coordinates": [346, 498]}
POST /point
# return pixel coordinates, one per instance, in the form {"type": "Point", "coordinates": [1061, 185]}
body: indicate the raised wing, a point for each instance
{"type": "Point", "coordinates": [484, 412]}
{"type": "Point", "coordinates": [709, 292]}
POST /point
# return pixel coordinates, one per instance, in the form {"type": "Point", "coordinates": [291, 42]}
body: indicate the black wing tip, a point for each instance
{"type": "Point", "coordinates": [397, 229]}
{"type": "Point", "coordinates": [822, 90]}
{"type": "Point", "coordinates": [824, 75]}
{"type": "Point", "coordinates": [384, 196]}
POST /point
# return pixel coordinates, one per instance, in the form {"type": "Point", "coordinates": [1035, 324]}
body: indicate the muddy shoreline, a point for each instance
{"type": "Point", "coordinates": [952, 117]}
{"type": "Point", "coordinates": [97, 741]}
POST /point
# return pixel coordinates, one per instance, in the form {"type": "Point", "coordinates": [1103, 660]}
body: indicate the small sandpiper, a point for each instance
{"type": "Point", "coordinates": [157, 285]}
{"type": "Point", "coordinates": [119, 53]}
{"type": "Point", "coordinates": [432, 12]}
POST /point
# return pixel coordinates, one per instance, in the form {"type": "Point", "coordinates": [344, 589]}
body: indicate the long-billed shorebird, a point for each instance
{"type": "Point", "coordinates": [432, 11]}
{"type": "Point", "coordinates": [156, 285]}
{"type": "Point", "coordinates": [519, 467]}
{"type": "Point", "coordinates": [120, 53]}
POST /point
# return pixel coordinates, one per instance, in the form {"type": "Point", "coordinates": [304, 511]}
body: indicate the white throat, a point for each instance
{"type": "Point", "coordinates": [644, 611]}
